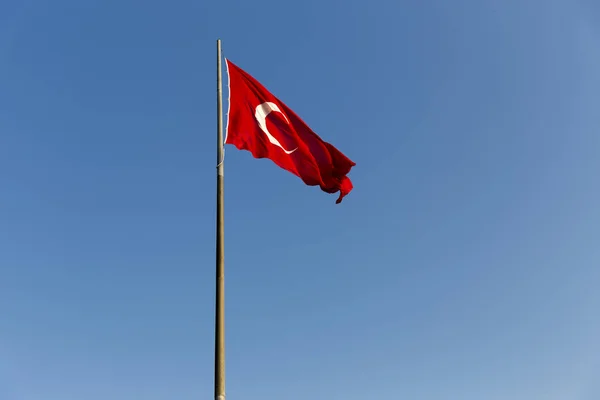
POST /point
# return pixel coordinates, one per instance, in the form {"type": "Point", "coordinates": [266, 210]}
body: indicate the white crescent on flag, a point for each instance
{"type": "Point", "coordinates": [261, 116]}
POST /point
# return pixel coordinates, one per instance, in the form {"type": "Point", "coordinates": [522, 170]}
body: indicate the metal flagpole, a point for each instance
{"type": "Point", "coordinates": [220, 271]}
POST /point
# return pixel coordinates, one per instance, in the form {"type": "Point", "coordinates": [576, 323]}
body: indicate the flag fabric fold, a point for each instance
{"type": "Point", "coordinates": [260, 123]}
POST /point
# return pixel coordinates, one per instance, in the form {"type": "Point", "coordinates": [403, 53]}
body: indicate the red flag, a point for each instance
{"type": "Point", "coordinates": [259, 122]}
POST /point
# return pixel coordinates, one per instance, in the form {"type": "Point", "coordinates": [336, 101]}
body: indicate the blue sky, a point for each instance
{"type": "Point", "coordinates": [464, 265]}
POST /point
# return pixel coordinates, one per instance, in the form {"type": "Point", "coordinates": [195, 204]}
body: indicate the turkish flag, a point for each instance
{"type": "Point", "coordinates": [259, 122]}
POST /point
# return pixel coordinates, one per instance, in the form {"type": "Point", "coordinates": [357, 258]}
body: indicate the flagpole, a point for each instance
{"type": "Point", "coordinates": [220, 270]}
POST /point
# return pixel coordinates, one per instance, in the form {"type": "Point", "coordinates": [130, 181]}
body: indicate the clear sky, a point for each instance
{"type": "Point", "coordinates": [464, 265]}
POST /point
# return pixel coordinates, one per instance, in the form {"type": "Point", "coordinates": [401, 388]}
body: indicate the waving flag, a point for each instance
{"type": "Point", "coordinates": [260, 123]}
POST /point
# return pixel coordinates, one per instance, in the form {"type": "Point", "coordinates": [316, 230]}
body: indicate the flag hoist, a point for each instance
{"type": "Point", "coordinates": [260, 123]}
